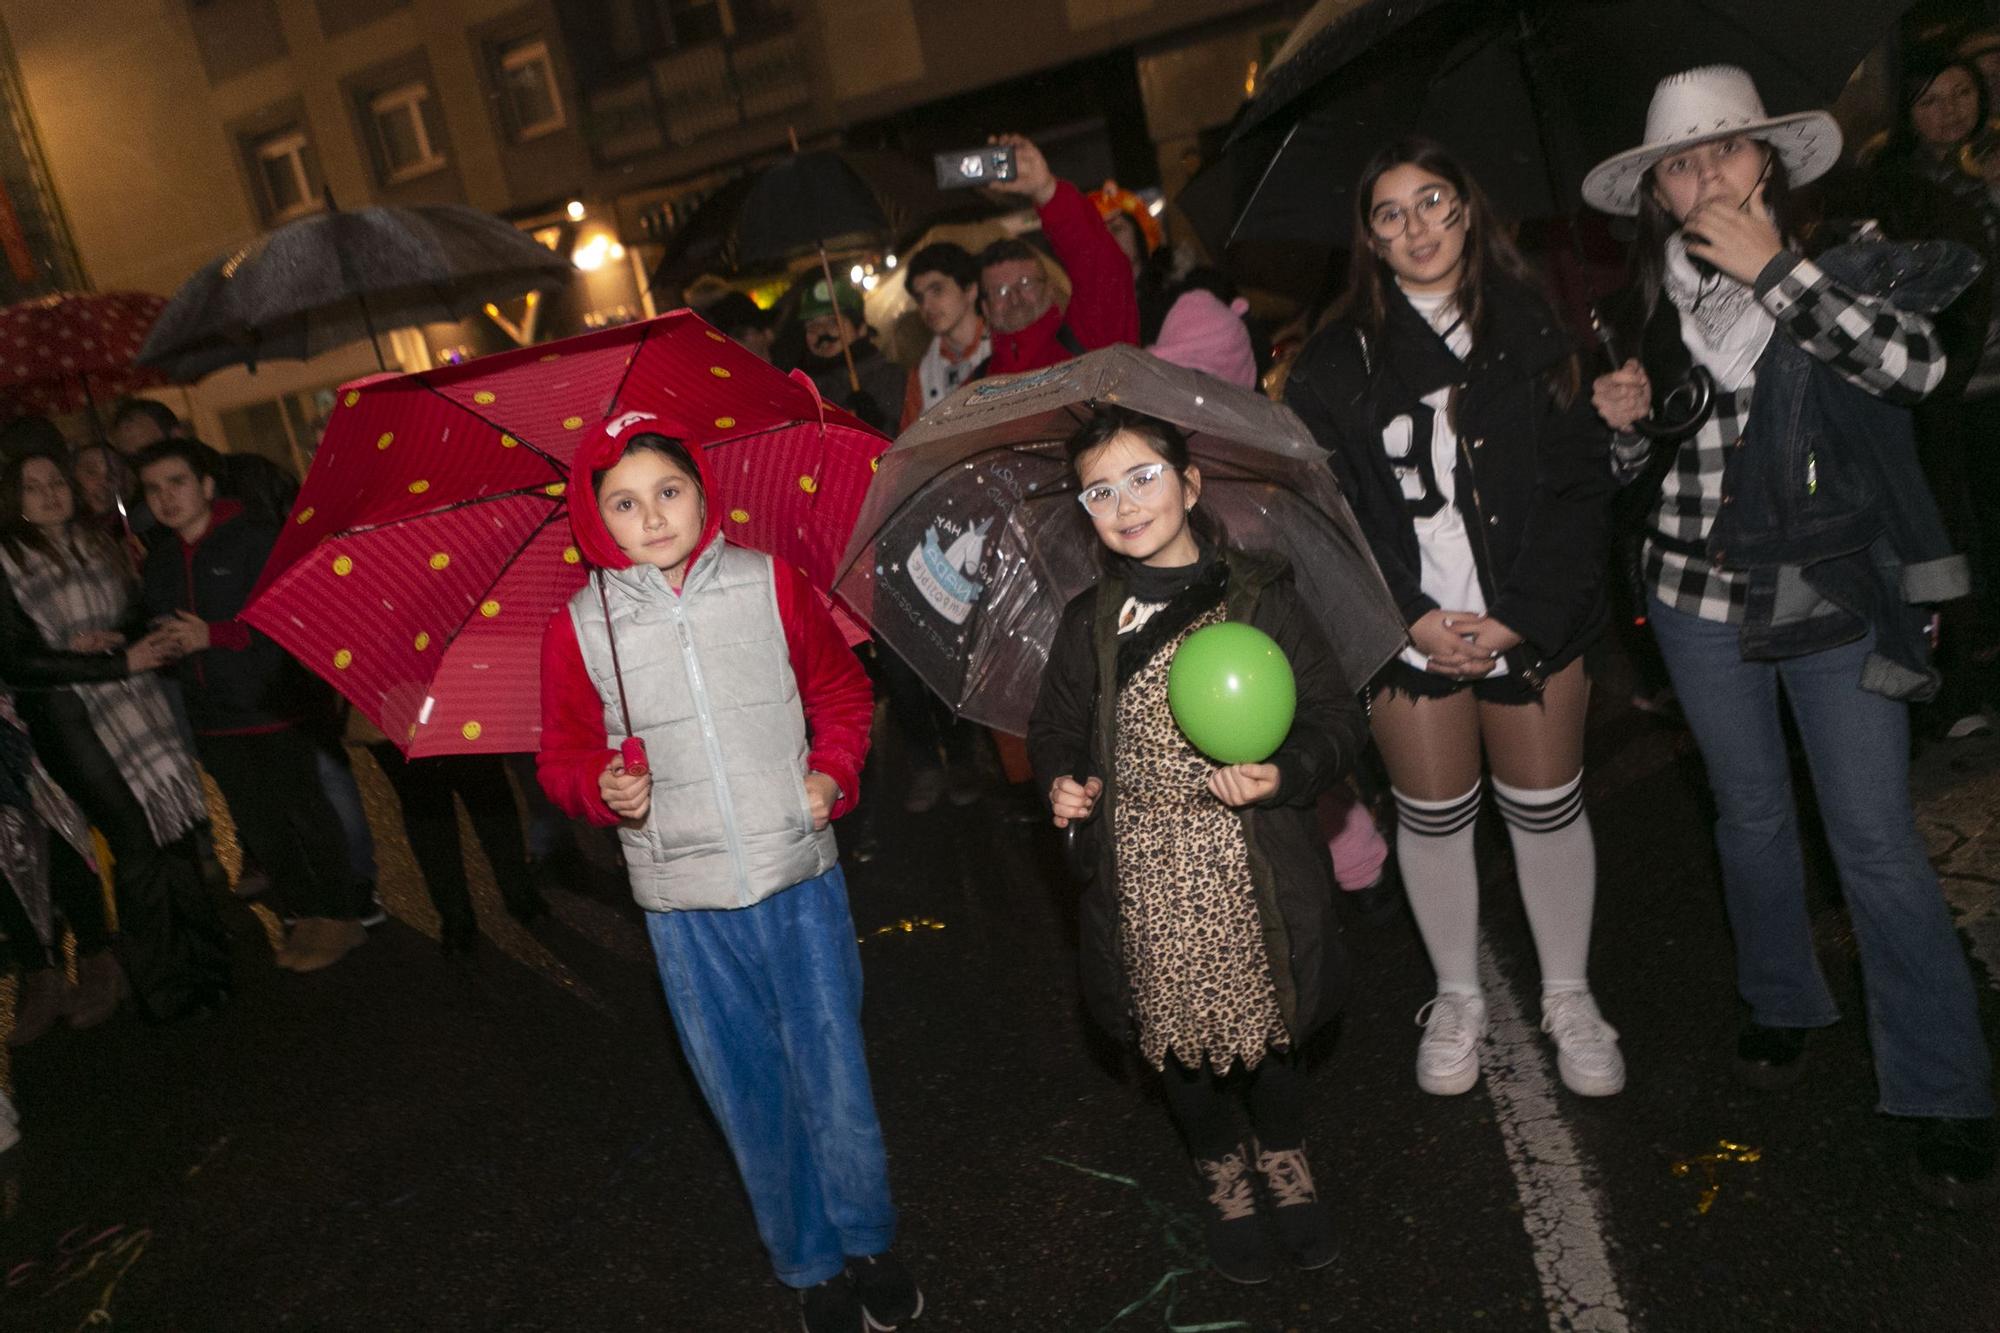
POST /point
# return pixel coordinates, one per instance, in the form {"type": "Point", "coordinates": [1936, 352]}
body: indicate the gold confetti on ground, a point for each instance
{"type": "Point", "coordinates": [908, 925]}
{"type": "Point", "coordinates": [1710, 1165]}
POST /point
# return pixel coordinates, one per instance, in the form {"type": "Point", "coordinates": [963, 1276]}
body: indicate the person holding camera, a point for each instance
{"type": "Point", "coordinates": [1791, 544]}
{"type": "Point", "coordinates": [1029, 330]}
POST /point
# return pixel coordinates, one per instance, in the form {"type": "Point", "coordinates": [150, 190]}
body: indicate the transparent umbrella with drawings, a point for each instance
{"type": "Point", "coordinates": [971, 541]}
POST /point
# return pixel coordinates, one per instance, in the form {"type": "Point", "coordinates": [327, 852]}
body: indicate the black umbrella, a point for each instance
{"type": "Point", "coordinates": [337, 277]}
{"type": "Point", "coordinates": [842, 198]}
{"type": "Point", "coordinates": [1529, 93]}
{"type": "Point", "coordinates": [971, 541]}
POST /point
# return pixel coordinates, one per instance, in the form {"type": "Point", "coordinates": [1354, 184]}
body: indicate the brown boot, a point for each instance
{"type": "Point", "coordinates": [327, 941]}
{"type": "Point", "coordinates": [294, 940]}
{"type": "Point", "coordinates": [43, 1000]}
{"type": "Point", "coordinates": [100, 986]}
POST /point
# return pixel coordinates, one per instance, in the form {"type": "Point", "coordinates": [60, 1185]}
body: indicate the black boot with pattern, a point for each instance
{"type": "Point", "coordinates": [1236, 1243]}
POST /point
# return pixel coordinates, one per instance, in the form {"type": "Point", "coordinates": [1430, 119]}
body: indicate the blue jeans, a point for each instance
{"type": "Point", "coordinates": [1923, 1012]}
{"type": "Point", "coordinates": [336, 779]}
{"type": "Point", "coordinates": [767, 1001]}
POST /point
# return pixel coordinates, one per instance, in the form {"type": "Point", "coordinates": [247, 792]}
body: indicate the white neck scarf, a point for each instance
{"type": "Point", "coordinates": [1722, 323]}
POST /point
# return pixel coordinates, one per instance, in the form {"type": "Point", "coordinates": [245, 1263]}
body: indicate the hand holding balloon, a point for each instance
{"type": "Point", "coordinates": [1232, 692]}
{"type": "Point", "coordinates": [1244, 784]}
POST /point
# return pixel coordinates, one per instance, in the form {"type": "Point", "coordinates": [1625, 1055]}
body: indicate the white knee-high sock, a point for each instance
{"type": "Point", "coordinates": [1555, 859]}
{"type": "Point", "coordinates": [1434, 849]}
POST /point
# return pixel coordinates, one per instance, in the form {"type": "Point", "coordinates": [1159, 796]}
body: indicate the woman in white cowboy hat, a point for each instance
{"type": "Point", "coordinates": [1791, 541]}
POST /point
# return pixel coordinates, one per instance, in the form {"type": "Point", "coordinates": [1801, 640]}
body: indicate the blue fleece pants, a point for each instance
{"type": "Point", "coordinates": [767, 1001]}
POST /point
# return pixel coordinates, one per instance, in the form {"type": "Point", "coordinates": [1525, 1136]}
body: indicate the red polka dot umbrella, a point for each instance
{"type": "Point", "coordinates": [431, 541]}
{"type": "Point", "coordinates": [63, 352]}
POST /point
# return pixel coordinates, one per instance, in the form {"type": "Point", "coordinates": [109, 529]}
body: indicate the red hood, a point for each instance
{"type": "Point", "coordinates": [604, 448]}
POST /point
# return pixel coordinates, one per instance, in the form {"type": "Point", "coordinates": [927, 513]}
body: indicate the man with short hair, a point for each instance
{"type": "Point", "coordinates": [245, 697]}
{"type": "Point", "coordinates": [1029, 330]}
{"type": "Point", "coordinates": [829, 316]}
{"type": "Point", "coordinates": [943, 279]}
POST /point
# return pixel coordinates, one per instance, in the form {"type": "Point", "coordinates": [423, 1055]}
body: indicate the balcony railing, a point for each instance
{"type": "Point", "coordinates": [692, 94]}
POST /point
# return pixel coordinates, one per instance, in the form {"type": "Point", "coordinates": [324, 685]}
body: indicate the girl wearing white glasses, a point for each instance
{"type": "Point", "coordinates": [1208, 931]}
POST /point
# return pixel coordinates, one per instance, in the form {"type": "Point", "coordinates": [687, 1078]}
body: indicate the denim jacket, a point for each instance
{"type": "Point", "coordinates": [1827, 507]}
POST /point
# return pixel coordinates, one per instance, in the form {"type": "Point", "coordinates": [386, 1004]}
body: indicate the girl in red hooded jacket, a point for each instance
{"type": "Point", "coordinates": [698, 696]}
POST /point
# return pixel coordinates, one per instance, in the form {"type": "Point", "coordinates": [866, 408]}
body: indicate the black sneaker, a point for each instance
{"type": "Point", "coordinates": [1769, 1059]}
{"type": "Point", "coordinates": [889, 1295]}
{"type": "Point", "coordinates": [1235, 1233]}
{"type": "Point", "coordinates": [1953, 1163]}
{"type": "Point", "coordinates": [1305, 1224]}
{"type": "Point", "coordinates": [832, 1307]}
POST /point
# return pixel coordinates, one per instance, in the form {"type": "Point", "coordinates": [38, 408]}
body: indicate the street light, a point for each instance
{"type": "Point", "coordinates": [575, 210]}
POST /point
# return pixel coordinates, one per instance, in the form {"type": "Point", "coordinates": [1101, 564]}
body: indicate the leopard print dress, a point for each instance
{"type": "Point", "coordinates": [1189, 934]}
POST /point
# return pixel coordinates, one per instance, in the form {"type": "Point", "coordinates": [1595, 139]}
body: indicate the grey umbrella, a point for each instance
{"type": "Point", "coordinates": [339, 277]}
{"type": "Point", "coordinates": [971, 541]}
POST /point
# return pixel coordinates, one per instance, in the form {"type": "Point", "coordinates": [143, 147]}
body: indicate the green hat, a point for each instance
{"type": "Point", "coordinates": [817, 302]}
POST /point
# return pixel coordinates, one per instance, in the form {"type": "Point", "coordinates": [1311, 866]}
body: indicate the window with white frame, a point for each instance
{"type": "Point", "coordinates": [528, 86]}
{"type": "Point", "coordinates": [402, 133]}
{"type": "Point", "coordinates": [284, 175]}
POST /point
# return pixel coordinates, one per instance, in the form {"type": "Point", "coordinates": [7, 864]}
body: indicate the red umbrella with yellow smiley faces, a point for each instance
{"type": "Point", "coordinates": [431, 540]}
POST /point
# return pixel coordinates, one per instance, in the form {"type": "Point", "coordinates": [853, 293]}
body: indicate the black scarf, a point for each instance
{"type": "Point", "coordinates": [1188, 591]}
{"type": "Point", "coordinates": [1154, 584]}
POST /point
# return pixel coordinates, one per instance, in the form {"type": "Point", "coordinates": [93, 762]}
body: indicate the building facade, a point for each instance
{"type": "Point", "coordinates": [167, 132]}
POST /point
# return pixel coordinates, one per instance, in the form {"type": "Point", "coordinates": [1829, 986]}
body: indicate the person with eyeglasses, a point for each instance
{"type": "Point", "coordinates": [1447, 395]}
{"type": "Point", "coordinates": [1029, 330]}
{"type": "Point", "coordinates": [1208, 929]}
{"type": "Point", "coordinates": [1795, 555]}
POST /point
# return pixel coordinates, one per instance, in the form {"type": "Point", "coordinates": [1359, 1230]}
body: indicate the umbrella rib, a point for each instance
{"type": "Point", "coordinates": [443, 509]}
{"type": "Point", "coordinates": [554, 463]}
{"type": "Point", "coordinates": [645, 333]}
{"type": "Point", "coordinates": [499, 574]}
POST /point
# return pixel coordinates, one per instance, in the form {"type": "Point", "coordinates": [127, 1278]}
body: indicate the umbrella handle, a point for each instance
{"type": "Point", "coordinates": [633, 751]}
{"type": "Point", "coordinates": [846, 350]}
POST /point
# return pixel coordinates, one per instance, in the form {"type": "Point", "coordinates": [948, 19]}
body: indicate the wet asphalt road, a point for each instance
{"type": "Point", "coordinates": [512, 1142]}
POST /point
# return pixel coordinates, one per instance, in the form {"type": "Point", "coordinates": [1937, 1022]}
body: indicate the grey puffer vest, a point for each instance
{"type": "Point", "coordinates": [708, 678]}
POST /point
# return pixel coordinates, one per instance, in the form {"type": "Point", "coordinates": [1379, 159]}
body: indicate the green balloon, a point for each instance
{"type": "Point", "coordinates": [1232, 692]}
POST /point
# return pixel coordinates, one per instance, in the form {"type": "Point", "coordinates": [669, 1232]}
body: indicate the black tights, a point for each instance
{"type": "Point", "coordinates": [424, 788]}
{"type": "Point", "coordinates": [171, 939]}
{"type": "Point", "coordinates": [1208, 1107]}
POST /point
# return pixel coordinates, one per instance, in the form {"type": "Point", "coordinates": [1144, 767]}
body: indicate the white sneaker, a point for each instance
{"type": "Point", "coordinates": [1448, 1056]}
{"type": "Point", "coordinates": [1586, 1046]}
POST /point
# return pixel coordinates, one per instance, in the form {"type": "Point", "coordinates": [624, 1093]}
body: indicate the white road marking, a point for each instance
{"type": "Point", "coordinates": [1560, 1207]}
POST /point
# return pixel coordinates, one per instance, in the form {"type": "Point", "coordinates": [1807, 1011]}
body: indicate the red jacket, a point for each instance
{"type": "Point", "coordinates": [1103, 305]}
{"type": "Point", "coordinates": [838, 701]}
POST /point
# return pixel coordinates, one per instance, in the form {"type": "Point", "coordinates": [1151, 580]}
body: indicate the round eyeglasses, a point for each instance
{"type": "Point", "coordinates": [1437, 207]}
{"type": "Point", "coordinates": [1101, 500]}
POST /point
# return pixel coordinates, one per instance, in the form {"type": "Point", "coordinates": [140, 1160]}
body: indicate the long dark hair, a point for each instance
{"type": "Point", "coordinates": [1657, 225]}
{"type": "Point", "coordinates": [1922, 68]}
{"type": "Point", "coordinates": [1166, 439]}
{"type": "Point", "coordinates": [1489, 250]}
{"type": "Point", "coordinates": [89, 543]}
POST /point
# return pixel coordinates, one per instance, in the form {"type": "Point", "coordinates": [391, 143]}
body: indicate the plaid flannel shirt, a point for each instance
{"type": "Point", "coordinates": [1890, 353]}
